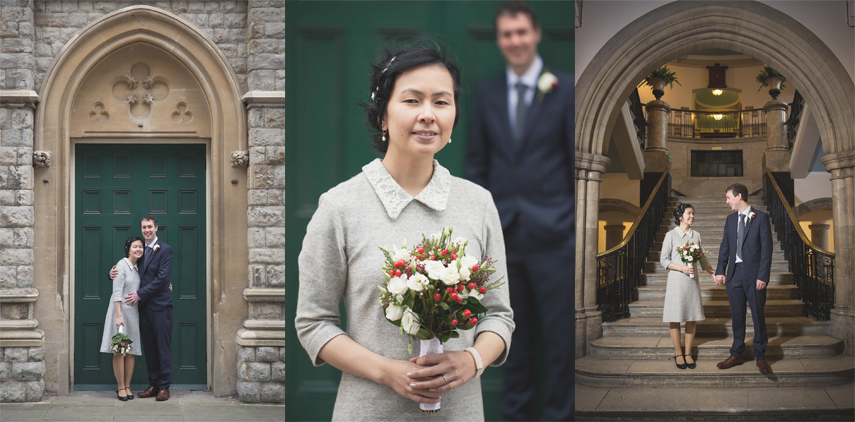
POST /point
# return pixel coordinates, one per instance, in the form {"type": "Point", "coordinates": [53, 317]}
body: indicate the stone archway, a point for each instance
{"type": "Point", "coordinates": [680, 28]}
{"type": "Point", "coordinates": [222, 127]}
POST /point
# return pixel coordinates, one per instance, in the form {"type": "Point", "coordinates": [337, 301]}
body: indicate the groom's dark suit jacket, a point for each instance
{"type": "Point", "coordinates": [756, 247]}
{"type": "Point", "coordinates": [154, 290]}
{"type": "Point", "coordinates": [533, 181]}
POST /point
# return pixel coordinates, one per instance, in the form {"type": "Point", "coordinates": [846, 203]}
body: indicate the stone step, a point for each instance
{"type": "Point", "coordinates": [720, 308]}
{"type": "Point", "coordinates": [716, 292]}
{"type": "Point", "coordinates": [595, 372]}
{"type": "Point", "coordinates": [711, 238]}
{"type": "Point", "coordinates": [716, 349]}
{"type": "Point", "coordinates": [661, 278]}
{"type": "Point", "coordinates": [653, 266]}
{"type": "Point", "coordinates": [716, 327]}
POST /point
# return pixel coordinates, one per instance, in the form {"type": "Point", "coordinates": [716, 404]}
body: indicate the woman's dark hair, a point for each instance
{"type": "Point", "coordinates": [678, 212]}
{"type": "Point", "coordinates": [423, 51]}
{"type": "Point", "coordinates": [130, 242]}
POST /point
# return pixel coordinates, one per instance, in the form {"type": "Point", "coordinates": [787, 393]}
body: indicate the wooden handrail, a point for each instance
{"type": "Point", "coordinates": [793, 216]}
{"type": "Point", "coordinates": [639, 218]}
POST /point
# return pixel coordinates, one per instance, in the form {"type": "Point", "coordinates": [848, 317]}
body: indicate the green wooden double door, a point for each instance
{"type": "Point", "coordinates": [115, 185]}
{"type": "Point", "coordinates": [330, 45]}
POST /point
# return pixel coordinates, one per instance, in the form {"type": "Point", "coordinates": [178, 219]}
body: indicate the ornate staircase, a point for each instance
{"type": "Point", "coordinates": [635, 354]}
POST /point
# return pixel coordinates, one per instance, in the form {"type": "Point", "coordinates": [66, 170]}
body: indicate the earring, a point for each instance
{"type": "Point", "coordinates": [449, 140]}
{"type": "Point", "coordinates": [384, 136]}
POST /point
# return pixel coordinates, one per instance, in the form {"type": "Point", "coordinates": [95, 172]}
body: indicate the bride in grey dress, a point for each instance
{"type": "Point", "coordinates": [122, 314]}
{"type": "Point", "coordinates": [683, 292]}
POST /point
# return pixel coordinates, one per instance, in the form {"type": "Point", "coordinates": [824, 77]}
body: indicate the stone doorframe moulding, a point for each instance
{"type": "Point", "coordinates": [748, 27]}
{"type": "Point", "coordinates": [227, 219]}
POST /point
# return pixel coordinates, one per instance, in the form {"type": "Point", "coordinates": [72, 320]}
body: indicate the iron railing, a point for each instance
{"type": "Point", "coordinates": [638, 119]}
{"type": "Point", "coordinates": [716, 124]}
{"type": "Point", "coordinates": [796, 108]}
{"type": "Point", "coordinates": [619, 268]}
{"type": "Point", "coordinates": [812, 267]}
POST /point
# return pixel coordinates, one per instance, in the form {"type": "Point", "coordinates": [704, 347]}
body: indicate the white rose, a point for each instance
{"type": "Point", "coordinates": [401, 254]}
{"type": "Point", "coordinates": [449, 275]}
{"type": "Point", "coordinates": [476, 294]}
{"type": "Point", "coordinates": [394, 312]}
{"type": "Point", "coordinates": [546, 81]}
{"type": "Point", "coordinates": [468, 262]}
{"type": "Point", "coordinates": [433, 269]}
{"type": "Point", "coordinates": [417, 282]}
{"type": "Point", "coordinates": [464, 294]}
{"type": "Point", "coordinates": [410, 322]}
{"type": "Point", "coordinates": [397, 285]}
{"type": "Point", "coordinates": [688, 259]}
{"type": "Point", "coordinates": [464, 273]}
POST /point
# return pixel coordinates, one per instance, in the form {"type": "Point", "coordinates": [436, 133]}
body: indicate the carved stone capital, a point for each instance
{"type": "Point", "coordinates": [240, 158]}
{"type": "Point", "coordinates": [591, 162]}
{"type": "Point", "coordinates": [838, 161]}
{"type": "Point", "coordinates": [41, 158]}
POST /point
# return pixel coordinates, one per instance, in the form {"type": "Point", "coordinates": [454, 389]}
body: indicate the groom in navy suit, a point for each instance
{"type": "Point", "coordinates": [744, 264]}
{"type": "Point", "coordinates": [155, 299]}
{"type": "Point", "coordinates": [521, 149]}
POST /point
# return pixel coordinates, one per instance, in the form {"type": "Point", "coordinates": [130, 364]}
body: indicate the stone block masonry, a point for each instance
{"type": "Point", "coordinates": [261, 374]}
{"type": "Point", "coordinates": [22, 372]}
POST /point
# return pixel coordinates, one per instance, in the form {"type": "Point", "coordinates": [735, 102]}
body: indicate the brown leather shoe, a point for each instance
{"type": "Point", "coordinates": [151, 391]}
{"type": "Point", "coordinates": [764, 366]}
{"type": "Point", "coordinates": [731, 362]}
{"type": "Point", "coordinates": [163, 395]}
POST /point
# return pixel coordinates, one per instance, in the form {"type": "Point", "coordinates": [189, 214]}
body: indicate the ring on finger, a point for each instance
{"type": "Point", "coordinates": [446, 379]}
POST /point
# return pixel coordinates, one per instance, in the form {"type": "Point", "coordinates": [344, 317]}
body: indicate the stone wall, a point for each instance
{"type": "Point", "coordinates": [22, 371]}
{"type": "Point", "coordinates": [261, 374]}
{"type": "Point", "coordinates": [681, 165]}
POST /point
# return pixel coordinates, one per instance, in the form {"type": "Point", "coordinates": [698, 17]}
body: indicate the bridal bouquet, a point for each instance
{"type": "Point", "coordinates": [690, 253]}
{"type": "Point", "coordinates": [121, 343]}
{"type": "Point", "coordinates": [433, 289]}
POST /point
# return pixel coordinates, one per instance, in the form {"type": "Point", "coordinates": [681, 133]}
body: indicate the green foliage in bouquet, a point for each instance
{"type": "Point", "coordinates": [121, 344]}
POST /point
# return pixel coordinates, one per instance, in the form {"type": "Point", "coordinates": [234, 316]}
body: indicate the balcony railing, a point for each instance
{"type": "Point", "coordinates": [796, 108]}
{"type": "Point", "coordinates": [619, 268]}
{"type": "Point", "coordinates": [716, 124]}
{"type": "Point", "coordinates": [812, 267]}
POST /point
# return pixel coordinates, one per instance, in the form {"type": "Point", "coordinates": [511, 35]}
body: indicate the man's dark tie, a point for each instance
{"type": "Point", "coordinates": [522, 111]}
{"type": "Point", "coordinates": [147, 256]}
{"type": "Point", "coordinates": [740, 230]}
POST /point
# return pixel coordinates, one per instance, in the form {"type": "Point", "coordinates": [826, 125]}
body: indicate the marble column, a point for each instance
{"type": "Point", "coordinates": [819, 234]}
{"type": "Point", "coordinates": [656, 156]}
{"type": "Point", "coordinates": [842, 166]}
{"type": "Point", "coordinates": [614, 233]}
{"type": "Point", "coordinates": [589, 322]}
{"type": "Point", "coordinates": [777, 155]}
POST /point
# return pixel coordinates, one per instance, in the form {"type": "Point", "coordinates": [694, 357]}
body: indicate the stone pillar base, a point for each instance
{"type": "Point", "coordinates": [261, 366]}
{"type": "Point", "coordinates": [777, 161]}
{"type": "Point", "coordinates": [657, 161]}
{"type": "Point", "coordinates": [593, 327]}
{"type": "Point", "coordinates": [22, 366]}
{"type": "Point", "coordinates": [843, 327]}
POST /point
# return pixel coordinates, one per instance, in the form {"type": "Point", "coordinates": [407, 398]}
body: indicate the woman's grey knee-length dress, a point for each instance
{"type": "Point", "coordinates": [127, 281]}
{"type": "Point", "coordinates": [682, 293]}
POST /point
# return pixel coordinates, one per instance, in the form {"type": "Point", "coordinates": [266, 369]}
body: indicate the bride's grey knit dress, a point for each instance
{"type": "Point", "coordinates": [682, 293]}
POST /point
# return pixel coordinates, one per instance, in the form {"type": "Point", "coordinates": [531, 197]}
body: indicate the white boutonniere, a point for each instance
{"type": "Point", "coordinates": [156, 247]}
{"type": "Point", "coordinates": [546, 84]}
{"type": "Point", "coordinates": [751, 216]}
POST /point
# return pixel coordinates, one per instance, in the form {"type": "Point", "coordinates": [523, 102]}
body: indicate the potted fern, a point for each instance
{"type": "Point", "coordinates": [659, 78]}
{"type": "Point", "coordinates": [773, 79]}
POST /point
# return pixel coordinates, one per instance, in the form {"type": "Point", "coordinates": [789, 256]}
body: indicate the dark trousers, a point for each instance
{"type": "Point", "coordinates": [540, 278]}
{"type": "Point", "coordinates": [156, 337]}
{"type": "Point", "coordinates": [739, 290]}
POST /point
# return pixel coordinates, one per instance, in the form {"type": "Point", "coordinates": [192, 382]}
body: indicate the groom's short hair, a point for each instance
{"type": "Point", "coordinates": [513, 8]}
{"type": "Point", "coordinates": [738, 189]}
{"type": "Point", "coordinates": [149, 217]}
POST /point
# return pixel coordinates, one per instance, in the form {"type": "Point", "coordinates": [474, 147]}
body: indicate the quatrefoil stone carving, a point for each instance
{"type": "Point", "coordinates": [140, 90]}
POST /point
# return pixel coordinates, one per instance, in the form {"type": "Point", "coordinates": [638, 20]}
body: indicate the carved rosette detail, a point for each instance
{"type": "Point", "coordinates": [240, 158]}
{"type": "Point", "coordinates": [41, 158]}
{"type": "Point", "coordinates": [140, 96]}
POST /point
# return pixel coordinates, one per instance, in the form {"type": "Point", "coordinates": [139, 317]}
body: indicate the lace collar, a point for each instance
{"type": "Point", "coordinates": [395, 199]}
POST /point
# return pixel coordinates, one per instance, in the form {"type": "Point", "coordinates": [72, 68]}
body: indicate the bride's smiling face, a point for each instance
{"type": "Point", "coordinates": [136, 249]}
{"type": "Point", "coordinates": [421, 111]}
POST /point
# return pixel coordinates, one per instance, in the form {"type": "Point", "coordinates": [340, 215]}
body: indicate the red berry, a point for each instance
{"type": "Point", "coordinates": [460, 288]}
{"type": "Point", "coordinates": [455, 296]}
{"type": "Point", "coordinates": [453, 322]}
{"type": "Point", "coordinates": [483, 290]}
{"type": "Point", "coordinates": [421, 250]}
{"type": "Point", "coordinates": [472, 286]}
{"type": "Point", "coordinates": [432, 258]}
{"type": "Point", "coordinates": [437, 297]}
{"type": "Point", "coordinates": [459, 300]}
{"type": "Point", "coordinates": [450, 290]}
{"type": "Point", "coordinates": [397, 273]}
{"type": "Point", "coordinates": [454, 257]}
{"type": "Point", "coordinates": [473, 321]}
{"type": "Point", "coordinates": [467, 313]}
{"type": "Point", "coordinates": [474, 268]}
{"type": "Point", "coordinates": [392, 273]}
{"type": "Point", "coordinates": [444, 252]}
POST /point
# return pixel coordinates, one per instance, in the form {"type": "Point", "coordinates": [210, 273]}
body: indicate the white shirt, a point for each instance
{"type": "Point", "coordinates": [746, 212]}
{"type": "Point", "coordinates": [529, 78]}
{"type": "Point", "coordinates": [151, 245]}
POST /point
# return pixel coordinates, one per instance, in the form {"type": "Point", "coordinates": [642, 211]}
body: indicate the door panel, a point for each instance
{"type": "Point", "coordinates": [115, 186]}
{"type": "Point", "coordinates": [331, 45]}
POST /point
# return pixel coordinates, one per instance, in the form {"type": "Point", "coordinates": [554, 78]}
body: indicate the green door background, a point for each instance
{"type": "Point", "coordinates": [115, 185]}
{"type": "Point", "coordinates": [329, 48]}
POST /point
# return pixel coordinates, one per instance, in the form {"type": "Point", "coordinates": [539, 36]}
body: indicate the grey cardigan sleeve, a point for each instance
{"type": "Point", "coordinates": [667, 249]}
{"type": "Point", "coordinates": [323, 276]}
{"type": "Point", "coordinates": [119, 282]}
{"type": "Point", "coordinates": [500, 316]}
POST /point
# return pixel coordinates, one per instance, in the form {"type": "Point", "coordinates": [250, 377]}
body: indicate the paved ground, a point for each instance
{"type": "Point", "coordinates": [103, 406]}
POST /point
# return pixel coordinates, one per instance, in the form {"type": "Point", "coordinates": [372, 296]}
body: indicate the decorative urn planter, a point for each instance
{"type": "Point", "coordinates": [658, 86]}
{"type": "Point", "coordinates": [774, 83]}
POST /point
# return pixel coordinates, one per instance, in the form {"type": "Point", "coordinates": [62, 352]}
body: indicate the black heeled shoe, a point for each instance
{"type": "Point", "coordinates": [690, 365]}
{"type": "Point", "coordinates": [680, 365]}
{"type": "Point", "coordinates": [120, 397]}
{"type": "Point", "coordinates": [131, 393]}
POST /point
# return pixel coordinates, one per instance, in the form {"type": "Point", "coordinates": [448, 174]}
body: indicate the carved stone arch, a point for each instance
{"type": "Point", "coordinates": [683, 27]}
{"type": "Point", "coordinates": [619, 205]}
{"type": "Point", "coordinates": [814, 205]}
{"type": "Point", "coordinates": [218, 120]}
